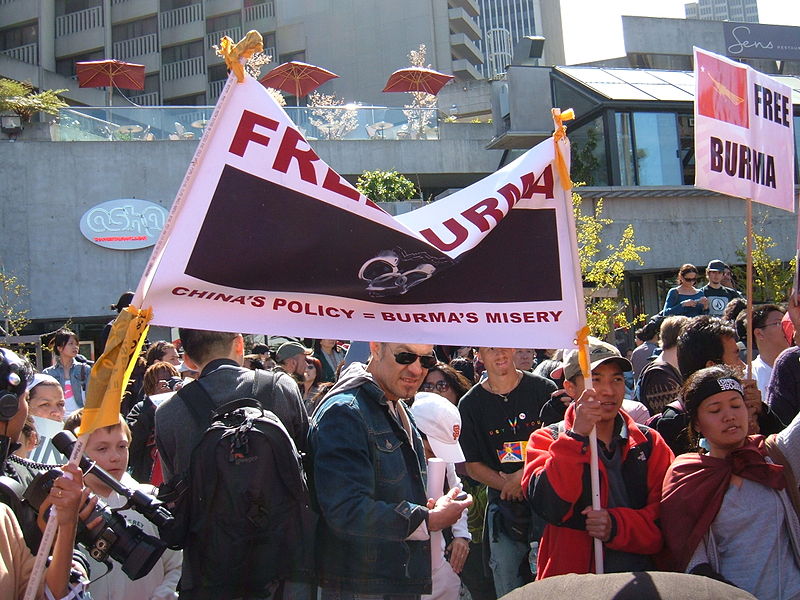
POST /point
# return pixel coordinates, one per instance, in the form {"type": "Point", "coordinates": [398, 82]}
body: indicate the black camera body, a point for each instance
{"type": "Point", "coordinates": [173, 381]}
{"type": "Point", "coordinates": [135, 551]}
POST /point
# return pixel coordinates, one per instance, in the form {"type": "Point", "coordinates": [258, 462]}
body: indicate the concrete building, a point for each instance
{"type": "Point", "coordinates": [745, 11]}
{"type": "Point", "coordinates": [174, 39]}
{"type": "Point", "coordinates": [660, 43]}
{"type": "Point", "coordinates": [505, 22]}
{"type": "Point", "coordinates": [633, 147]}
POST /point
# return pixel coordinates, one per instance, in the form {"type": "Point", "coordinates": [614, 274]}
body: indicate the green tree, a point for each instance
{"type": "Point", "coordinates": [603, 268]}
{"type": "Point", "coordinates": [771, 277]}
{"type": "Point", "coordinates": [13, 301]}
{"type": "Point", "coordinates": [385, 186]}
{"type": "Point", "coordinates": [21, 98]}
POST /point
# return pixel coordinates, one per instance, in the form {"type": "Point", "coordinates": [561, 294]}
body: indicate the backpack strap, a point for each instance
{"type": "Point", "coordinates": [199, 403]}
{"type": "Point", "coordinates": [265, 381]}
{"type": "Point", "coordinates": [233, 405]}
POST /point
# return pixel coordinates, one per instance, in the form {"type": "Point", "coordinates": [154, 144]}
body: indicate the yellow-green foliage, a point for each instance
{"type": "Point", "coordinates": [20, 98]}
{"type": "Point", "coordinates": [603, 266]}
{"type": "Point", "coordinates": [771, 278]}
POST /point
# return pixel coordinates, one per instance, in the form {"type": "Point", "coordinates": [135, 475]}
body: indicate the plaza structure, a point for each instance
{"type": "Point", "coordinates": [632, 139]}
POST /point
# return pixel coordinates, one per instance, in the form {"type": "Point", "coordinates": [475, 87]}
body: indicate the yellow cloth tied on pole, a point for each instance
{"type": "Point", "coordinates": [245, 48]}
{"type": "Point", "coordinates": [111, 371]}
{"type": "Point", "coordinates": [559, 134]}
{"type": "Point", "coordinates": [583, 352]}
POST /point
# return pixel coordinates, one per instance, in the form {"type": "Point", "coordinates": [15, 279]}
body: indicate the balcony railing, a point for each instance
{"type": "Point", "coordinates": [79, 21]}
{"type": "Point", "coordinates": [345, 123]}
{"type": "Point", "coordinates": [213, 38]}
{"type": "Point", "coordinates": [29, 53]}
{"type": "Point", "coordinates": [265, 10]}
{"type": "Point", "coordinates": [215, 88]}
{"type": "Point", "coordinates": [149, 99]}
{"type": "Point", "coordinates": [181, 16]}
{"type": "Point", "coordinates": [183, 68]}
{"type": "Point", "coordinates": [138, 46]}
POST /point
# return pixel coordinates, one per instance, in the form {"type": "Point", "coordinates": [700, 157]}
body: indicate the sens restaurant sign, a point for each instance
{"type": "Point", "coordinates": [124, 224]}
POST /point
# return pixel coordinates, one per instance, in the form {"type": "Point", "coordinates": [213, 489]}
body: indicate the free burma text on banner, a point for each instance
{"type": "Point", "coordinates": [266, 237]}
{"type": "Point", "coordinates": [744, 132]}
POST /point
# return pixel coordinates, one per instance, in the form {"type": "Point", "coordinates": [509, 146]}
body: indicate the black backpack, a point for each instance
{"type": "Point", "coordinates": [244, 519]}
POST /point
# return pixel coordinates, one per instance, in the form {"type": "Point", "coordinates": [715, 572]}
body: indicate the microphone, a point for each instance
{"type": "Point", "coordinates": [145, 504]}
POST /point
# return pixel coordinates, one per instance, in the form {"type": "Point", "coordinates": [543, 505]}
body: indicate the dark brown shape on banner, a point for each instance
{"type": "Point", "coordinates": [258, 235]}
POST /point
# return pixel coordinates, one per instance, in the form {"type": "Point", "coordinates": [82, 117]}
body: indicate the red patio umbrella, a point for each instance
{"type": "Point", "coordinates": [417, 79]}
{"type": "Point", "coordinates": [297, 78]}
{"type": "Point", "coordinates": [111, 74]}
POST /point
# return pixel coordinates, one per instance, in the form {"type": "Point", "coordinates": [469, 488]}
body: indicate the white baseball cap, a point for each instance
{"type": "Point", "coordinates": [440, 421]}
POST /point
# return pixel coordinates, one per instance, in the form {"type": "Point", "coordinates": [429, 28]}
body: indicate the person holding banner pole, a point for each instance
{"type": "Point", "coordinates": [632, 458]}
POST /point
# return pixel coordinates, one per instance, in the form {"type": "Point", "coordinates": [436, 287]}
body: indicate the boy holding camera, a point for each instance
{"type": "Point", "coordinates": [108, 447]}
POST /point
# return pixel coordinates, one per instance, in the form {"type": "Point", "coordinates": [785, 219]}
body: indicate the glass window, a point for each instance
{"type": "Point", "coordinates": [589, 153]}
{"type": "Point", "coordinates": [223, 22]}
{"type": "Point", "coordinates": [18, 36]}
{"type": "Point", "coordinates": [797, 148]}
{"type": "Point", "coordinates": [65, 7]}
{"type": "Point", "coordinates": [686, 142]}
{"type": "Point", "coordinates": [627, 173]}
{"type": "Point", "coordinates": [66, 66]}
{"type": "Point", "coordinates": [173, 4]}
{"type": "Point", "coordinates": [193, 100]}
{"type": "Point", "coordinates": [182, 52]}
{"type": "Point", "coordinates": [567, 96]}
{"type": "Point", "coordinates": [134, 29]}
{"type": "Point", "coordinates": [657, 155]}
{"type": "Point", "coordinates": [217, 72]}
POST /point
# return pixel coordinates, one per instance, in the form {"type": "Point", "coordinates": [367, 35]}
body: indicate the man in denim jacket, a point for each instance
{"type": "Point", "coordinates": [368, 475]}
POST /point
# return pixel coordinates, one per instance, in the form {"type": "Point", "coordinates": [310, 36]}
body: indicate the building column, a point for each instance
{"type": "Point", "coordinates": [47, 35]}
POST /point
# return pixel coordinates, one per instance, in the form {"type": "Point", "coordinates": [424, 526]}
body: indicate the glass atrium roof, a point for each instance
{"type": "Point", "coordinates": [650, 84]}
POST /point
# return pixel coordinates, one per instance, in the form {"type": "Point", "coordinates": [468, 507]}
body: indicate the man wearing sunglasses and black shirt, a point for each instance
{"type": "Point", "coordinates": [497, 418]}
{"type": "Point", "coordinates": [369, 481]}
{"type": "Point", "coordinates": [718, 295]}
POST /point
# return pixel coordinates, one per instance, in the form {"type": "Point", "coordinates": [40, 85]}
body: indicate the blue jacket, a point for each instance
{"type": "Point", "coordinates": [369, 486]}
{"type": "Point", "coordinates": [79, 379]}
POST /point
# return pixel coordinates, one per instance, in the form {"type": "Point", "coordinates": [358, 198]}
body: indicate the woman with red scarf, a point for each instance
{"type": "Point", "coordinates": [726, 512]}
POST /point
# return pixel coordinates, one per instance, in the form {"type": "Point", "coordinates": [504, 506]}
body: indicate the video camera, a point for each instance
{"type": "Point", "coordinates": [135, 551]}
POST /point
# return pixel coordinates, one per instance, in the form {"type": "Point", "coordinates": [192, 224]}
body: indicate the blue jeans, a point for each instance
{"type": "Point", "coordinates": [506, 556]}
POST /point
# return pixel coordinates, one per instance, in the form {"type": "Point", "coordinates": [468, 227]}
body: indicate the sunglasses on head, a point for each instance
{"type": "Point", "coordinates": [439, 386]}
{"type": "Point", "coordinates": [428, 361]}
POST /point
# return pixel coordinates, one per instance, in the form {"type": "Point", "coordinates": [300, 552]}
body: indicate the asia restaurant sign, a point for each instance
{"type": "Point", "coordinates": [124, 223]}
{"type": "Point", "coordinates": [753, 40]}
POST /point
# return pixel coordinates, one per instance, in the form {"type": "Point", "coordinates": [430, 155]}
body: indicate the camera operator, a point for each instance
{"type": "Point", "coordinates": [108, 447]}
{"type": "Point", "coordinates": [66, 494]}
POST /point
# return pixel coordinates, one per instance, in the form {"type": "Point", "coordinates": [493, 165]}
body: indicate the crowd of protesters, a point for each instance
{"type": "Point", "coordinates": [697, 454]}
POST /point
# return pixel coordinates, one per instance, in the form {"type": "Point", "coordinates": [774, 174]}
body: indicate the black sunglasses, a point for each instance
{"type": "Point", "coordinates": [428, 361]}
{"type": "Point", "coordinates": [439, 386]}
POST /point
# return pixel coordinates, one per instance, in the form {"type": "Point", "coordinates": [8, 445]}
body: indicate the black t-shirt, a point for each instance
{"type": "Point", "coordinates": [718, 298]}
{"type": "Point", "coordinates": [495, 431]}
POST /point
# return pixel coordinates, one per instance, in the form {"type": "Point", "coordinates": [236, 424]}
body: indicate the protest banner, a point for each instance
{"type": "Point", "coordinates": [743, 131]}
{"type": "Point", "coordinates": [45, 451]}
{"type": "Point", "coordinates": [744, 143]}
{"type": "Point", "coordinates": [492, 264]}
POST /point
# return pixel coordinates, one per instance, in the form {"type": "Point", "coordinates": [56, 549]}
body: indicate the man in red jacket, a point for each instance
{"type": "Point", "coordinates": [632, 458]}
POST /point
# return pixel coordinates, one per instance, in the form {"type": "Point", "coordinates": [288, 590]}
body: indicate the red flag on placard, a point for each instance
{"type": "Point", "coordinates": [722, 90]}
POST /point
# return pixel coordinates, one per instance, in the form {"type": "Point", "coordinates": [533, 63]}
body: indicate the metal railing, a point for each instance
{"type": "Point", "coordinates": [148, 99]}
{"type": "Point", "coordinates": [213, 38]}
{"type": "Point", "coordinates": [215, 88]}
{"type": "Point", "coordinates": [265, 10]}
{"type": "Point", "coordinates": [183, 68]}
{"type": "Point", "coordinates": [81, 20]}
{"type": "Point", "coordinates": [351, 122]}
{"type": "Point", "coordinates": [29, 53]}
{"type": "Point", "coordinates": [138, 46]}
{"type": "Point", "coordinates": [181, 16]}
